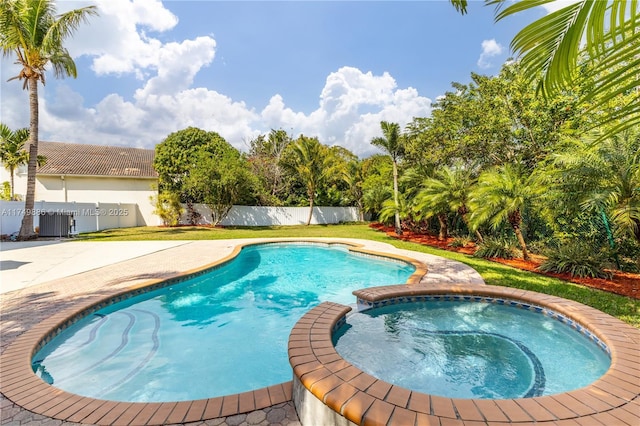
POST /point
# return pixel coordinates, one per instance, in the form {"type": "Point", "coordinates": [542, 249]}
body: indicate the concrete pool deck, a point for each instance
{"type": "Point", "coordinates": [39, 282]}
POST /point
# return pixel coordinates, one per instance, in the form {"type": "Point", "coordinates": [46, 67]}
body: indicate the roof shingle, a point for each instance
{"type": "Point", "coordinates": [95, 160]}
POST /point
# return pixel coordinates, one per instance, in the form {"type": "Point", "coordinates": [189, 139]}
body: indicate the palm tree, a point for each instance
{"type": "Point", "coordinates": [500, 196]}
{"type": "Point", "coordinates": [605, 31]}
{"type": "Point", "coordinates": [32, 31]}
{"type": "Point", "coordinates": [603, 176]}
{"type": "Point", "coordinates": [12, 152]}
{"type": "Point", "coordinates": [313, 164]}
{"type": "Point", "coordinates": [447, 191]}
{"type": "Point", "coordinates": [391, 143]}
{"type": "Point", "coordinates": [353, 176]}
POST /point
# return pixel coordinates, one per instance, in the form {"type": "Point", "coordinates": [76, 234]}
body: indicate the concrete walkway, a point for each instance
{"type": "Point", "coordinates": [39, 279]}
{"type": "Point", "coordinates": [28, 263]}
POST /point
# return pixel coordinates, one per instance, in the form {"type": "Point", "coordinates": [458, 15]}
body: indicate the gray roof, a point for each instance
{"type": "Point", "coordinates": [95, 160]}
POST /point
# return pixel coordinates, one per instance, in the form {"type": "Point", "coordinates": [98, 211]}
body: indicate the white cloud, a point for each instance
{"type": "Point", "coordinates": [557, 5]}
{"type": "Point", "coordinates": [119, 38]}
{"type": "Point", "coordinates": [490, 48]}
{"type": "Point", "coordinates": [350, 105]}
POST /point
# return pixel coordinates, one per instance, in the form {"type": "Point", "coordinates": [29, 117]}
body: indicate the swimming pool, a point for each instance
{"type": "Point", "coordinates": [219, 333]}
{"type": "Point", "coordinates": [475, 348]}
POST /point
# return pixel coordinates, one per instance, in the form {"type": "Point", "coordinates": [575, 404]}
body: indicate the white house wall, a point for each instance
{"type": "Point", "coordinates": [87, 189]}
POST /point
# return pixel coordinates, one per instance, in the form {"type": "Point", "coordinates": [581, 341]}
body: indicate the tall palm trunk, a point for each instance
{"type": "Point", "coordinates": [26, 228]}
{"type": "Point", "coordinates": [13, 193]}
{"type": "Point", "coordinates": [311, 199]}
{"type": "Point", "coordinates": [395, 199]}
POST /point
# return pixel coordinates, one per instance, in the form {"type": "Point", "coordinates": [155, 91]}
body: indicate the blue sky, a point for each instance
{"type": "Point", "coordinates": [332, 69]}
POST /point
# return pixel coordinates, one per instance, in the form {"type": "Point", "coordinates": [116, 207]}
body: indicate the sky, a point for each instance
{"type": "Point", "coordinates": [330, 69]}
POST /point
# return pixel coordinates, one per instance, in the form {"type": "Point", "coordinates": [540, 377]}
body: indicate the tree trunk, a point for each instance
{"type": "Point", "coordinates": [444, 230]}
{"type": "Point", "coordinates": [395, 199]}
{"type": "Point", "coordinates": [13, 195]}
{"type": "Point", "coordinates": [311, 197]}
{"type": "Point", "coordinates": [464, 213]}
{"type": "Point", "coordinates": [26, 229]}
{"type": "Point", "coordinates": [523, 245]}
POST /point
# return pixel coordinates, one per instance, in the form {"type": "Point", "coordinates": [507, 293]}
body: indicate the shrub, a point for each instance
{"type": "Point", "coordinates": [496, 247]}
{"type": "Point", "coordinates": [168, 207]}
{"type": "Point", "coordinates": [577, 259]}
{"type": "Point", "coordinates": [461, 242]}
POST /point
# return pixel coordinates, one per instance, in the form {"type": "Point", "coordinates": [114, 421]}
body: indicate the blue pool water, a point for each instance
{"type": "Point", "coordinates": [470, 349]}
{"type": "Point", "coordinates": [216, 334]}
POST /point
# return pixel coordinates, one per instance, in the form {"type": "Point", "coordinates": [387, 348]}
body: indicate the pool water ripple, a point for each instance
{"type": "Point", "coordinates": [218, 333]}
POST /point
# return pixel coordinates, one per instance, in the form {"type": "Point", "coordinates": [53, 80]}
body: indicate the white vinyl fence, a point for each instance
{"type": "Point", "coordinates": [90, 217]}
{"type": "Point", "coordinates": [269, 216]}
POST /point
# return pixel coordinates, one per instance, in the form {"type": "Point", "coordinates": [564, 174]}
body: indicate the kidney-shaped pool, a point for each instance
{"type": "Point", "coordinates": [218, 333]}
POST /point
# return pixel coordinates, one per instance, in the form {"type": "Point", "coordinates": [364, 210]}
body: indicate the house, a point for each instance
{"type": "Point", "coordinates": [93, 173]}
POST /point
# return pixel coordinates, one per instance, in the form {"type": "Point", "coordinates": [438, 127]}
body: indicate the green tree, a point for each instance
{"type": "Point", "coordinates": [5, 192]}
{"type": "Point", "coordinates": [603, 34]}
{"type": "Point", "coordinates": [500, 196]}
{"type": "Point", "coordinates": [31, 30]}
{"type": "Point", "coordinates": [353, 175]}
{"type": "Point", "coordinates": [265, 158]}
{"type": "Point", "coordinates": [491, 121]}
{"type": "Point", "coordinates": [12, 152]}
{"type": "Point", "coordinates": [377, 172]}
{"type": "Point", "coordinates": [220, 181]}
{"type": "Point", "coordinates": [175, 158]}
{"type": "Point", "coordinates": [313, 164]}
{"type": "Point", "coordinates": [391, 143]}
{"type": "Point", "coordinates": [601, 176]}
{"type": "Point", "coordinates": [447, 191]}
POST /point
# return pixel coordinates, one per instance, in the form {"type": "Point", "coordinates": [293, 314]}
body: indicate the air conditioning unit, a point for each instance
{"type": "Point", "coordinates": [55, 224]}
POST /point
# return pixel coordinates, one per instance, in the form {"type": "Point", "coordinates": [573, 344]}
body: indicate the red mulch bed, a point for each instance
{"type": "Point", "coordinates": [622, 283]}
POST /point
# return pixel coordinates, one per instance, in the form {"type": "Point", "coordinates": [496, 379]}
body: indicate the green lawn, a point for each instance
{"type": "Point", "coordinates": [624, 308]}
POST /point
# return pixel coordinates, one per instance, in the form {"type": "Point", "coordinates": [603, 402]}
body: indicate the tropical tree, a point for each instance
{"type": "Point", "coordinates": [31, 30]}
{"type": "Point", "coordinates": [447, 191]}
{"type": "Point", "coordinates": [353, 176]}
{"type": "Point", "coordinates": [12, 152]}
{"type": "Point", "coordinates": [376, 185]}
{"type": "Point", "coordinates": [602, 177]}
{"type": "Point", "coordinates": [603, 34]}
{"type": "Point", "coordinates": [265, 158]}
{"type": "Point", "coordinates": [500, 196]}
{"type": "Point", "coordinates": [391, 143]}
{"type": "Point", "coordinates": [491, 121]}
{"type": "Point", "coordinates": [313, 164]}
{"type": "Point", "coordinates": [220, 180]}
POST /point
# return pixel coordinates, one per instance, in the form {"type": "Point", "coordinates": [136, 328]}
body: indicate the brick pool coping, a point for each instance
{"type": "Point", "coordinates": [359, 398]}
{"type": "Point", "coordinates": [19, 384]}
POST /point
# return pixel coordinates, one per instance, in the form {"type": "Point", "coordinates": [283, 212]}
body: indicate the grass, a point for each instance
{"type": "Point", "coordinates": [624, 308]}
